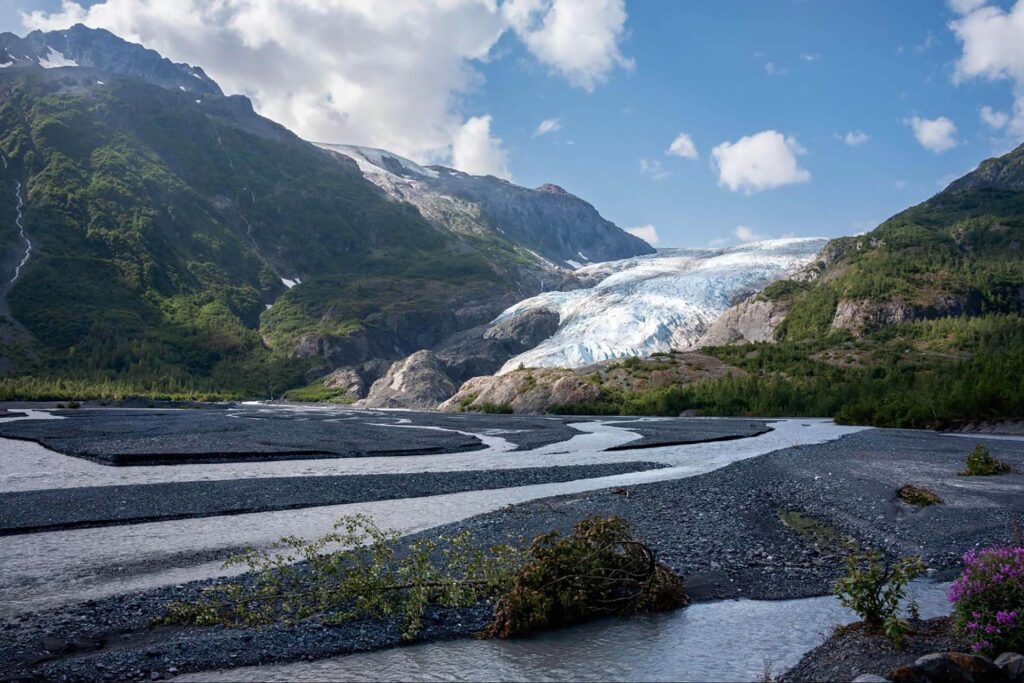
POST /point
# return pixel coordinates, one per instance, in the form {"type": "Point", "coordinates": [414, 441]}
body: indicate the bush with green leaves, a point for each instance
{"type": "Point", "coordinates": [981, 463]}
{"type": "Point", "coordinates": [600, 569]}
{"type": "Point", "coordinates": [355, 571]}
{"type": "Point", "coordinates": [874, 586]}
{"type": "Point", "coordinates": [359, 570]}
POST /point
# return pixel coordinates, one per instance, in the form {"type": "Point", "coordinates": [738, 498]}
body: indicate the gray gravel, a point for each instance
{"type": "Point", "coordinates": [54, 509]}
{"type": "Point", "coordinates": [853, 652]}
{"type": "Point", "coordinates": [168, 437]}
{"type": "Point", "coordinates": [721, 531]}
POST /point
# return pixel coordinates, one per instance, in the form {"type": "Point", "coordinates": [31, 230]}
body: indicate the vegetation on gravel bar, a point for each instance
{"type": "Point", "coordinates": [359, 570]}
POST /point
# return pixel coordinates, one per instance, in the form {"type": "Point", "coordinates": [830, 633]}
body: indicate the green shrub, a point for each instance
{"type": "Point", "coordinates": [873, 588]}
{"type": "Point", "coordinates": [917, 495]}
{"type": "Point", "coordinates": [359, 571]}
{"type": "Point", "coordinates": [495, 408]}
{"type": "Point", "coordinates": [601, 569]}
{"type": "Point", "coordinates": [981, 463]}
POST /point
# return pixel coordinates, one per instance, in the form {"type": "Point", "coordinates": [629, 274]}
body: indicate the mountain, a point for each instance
{"type": "Point", "coordinates": [549, 221]}
{"type": "Point", "coordinates": [917, 323]}
{"type": "Point", "coordinates": [181, 243]}
{"type": "Point", "coordinates": [101, 50]}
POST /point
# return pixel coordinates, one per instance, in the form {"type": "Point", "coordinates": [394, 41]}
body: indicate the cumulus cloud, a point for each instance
{"type": "Point", "coordinates": [653, 168]}
{"type": "Point", "coordinates": [683, 147]}
{"type": "Point", "coordinates": [757, 162]}
{"type": "Point", "coordinates": [853, 138]}
{"type": "Point", "coordinates": [992, 42]}
{"type": "Point", "coordinates": [648, 233]}
{"type": "Point", "coordinates": [389, 74]}
{"type": "Point", "coordinates": [578, 39]}
{"type": "Point", "coordinates": [547, 126]}
{"type": "Point", "coordinates": [476, 151]}
{"type": "Point", "coordinates": [935, 135]}
{"type": "Point", "coordinates": [992, 118]}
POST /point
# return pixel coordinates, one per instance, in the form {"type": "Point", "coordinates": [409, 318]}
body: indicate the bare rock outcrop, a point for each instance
{"type": "Point", "coordinates": [540, 390]}
{"type": "Point", "coordinates": [348, 380]}
{"type": "Point", "coordinates": [752, 320]}
{"type": "Point", "coordinates": [416, 382]}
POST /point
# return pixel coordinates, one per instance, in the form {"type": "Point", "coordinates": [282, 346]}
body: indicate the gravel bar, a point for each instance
{"type": "Point", "coordinates": [56, 509]}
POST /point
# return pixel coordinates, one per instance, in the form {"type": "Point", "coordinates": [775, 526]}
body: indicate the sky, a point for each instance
{"type": "Point", "coordinates": [689, 123]}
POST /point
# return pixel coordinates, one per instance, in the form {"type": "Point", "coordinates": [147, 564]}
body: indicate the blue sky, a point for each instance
{"type": "Point", "coordinates": [811, 70]}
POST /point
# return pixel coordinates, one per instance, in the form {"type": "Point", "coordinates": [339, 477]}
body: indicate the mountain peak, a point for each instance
{"type": "Point", "coordinates": [81, 46]}
{"type": "Point", "coordinates": [999, 173]}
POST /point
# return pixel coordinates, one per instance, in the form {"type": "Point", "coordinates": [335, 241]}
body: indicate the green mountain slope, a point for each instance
{"type": "Point", "coordinates": [164, 223]}
{"type": "Point", "coordinates": [914, 324]}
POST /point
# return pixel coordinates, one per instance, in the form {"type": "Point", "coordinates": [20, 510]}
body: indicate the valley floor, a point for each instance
{"type": "Point", "coordinates": [754, 509]}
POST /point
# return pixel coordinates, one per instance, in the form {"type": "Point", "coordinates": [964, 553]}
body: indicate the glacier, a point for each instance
{"type": "Point", "coordinates": [655, 303]}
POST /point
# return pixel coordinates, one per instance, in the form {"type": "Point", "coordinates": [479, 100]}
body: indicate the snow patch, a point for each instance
{"type": "Point", "coordinates": [54, 60]}
{"type": "Point", "coordinates": [182, 88]}
{"type": "Point", "coordinates": [575, 264]}
{"type": "Point", "coordinates": [290, 283]}
{"type": "Point", "coordinates": [4, 66]}
{"type": "Point", "coordinates": [660, 302]}
{"type": "Point", "coordinates": [100, 83]}
{"type": "Point", "coordinates": [373, 160]}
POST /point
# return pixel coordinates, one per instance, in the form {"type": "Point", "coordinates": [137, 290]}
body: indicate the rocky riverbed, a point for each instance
{"type": "Point", "coordinates": [764, 527]}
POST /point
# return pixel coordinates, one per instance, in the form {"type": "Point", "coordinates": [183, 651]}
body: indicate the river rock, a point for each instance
{"type": "Point", "coordinates": [950, 667]}
{"type": "Point", "coordinates": [1013, 664]}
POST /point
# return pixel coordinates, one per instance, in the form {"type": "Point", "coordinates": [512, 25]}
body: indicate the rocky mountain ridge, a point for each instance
{"type": "Point", "coordinates": [547, 221]}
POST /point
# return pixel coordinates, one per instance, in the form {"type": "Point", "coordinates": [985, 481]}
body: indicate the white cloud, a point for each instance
{"type": "Point", "coordinates": [577, 38]}
{"type": "Point", "coordinates": [810, 56]}
{"type": "Point", "coordinates": [547, 126]}
{"type": "Point", "coordinates": [935, 135]}
{"type": "Point", "coordinates": [773, 69]}
{"type": "Point", "coordinates": [683, 146]}
{"type": "Point", "coordinates": [899, 184]}
{"type": "Point", "coordinates": [965, 6]}
{"type": "Point", "coordinates": [853, 138]}
{"type": "Point", "coordinates": [389, 74]}
{"type": "Point", "coordinates": [648, 233]}
{"type": "Point", "coordinates": [653, 168]}
{"type": "Point", "coordinates": [759, 162]}
{"type": "Point", "coordinates": [993, 48]}
{"type": "Point", "coordinates": [745, 234]}
{"type": "Point", "coordinates": [992, 118]}
{"type": "Point", "coordinates": [476, 151]}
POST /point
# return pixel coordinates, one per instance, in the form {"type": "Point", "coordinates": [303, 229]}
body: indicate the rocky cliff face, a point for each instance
{"type": "Point", "coordinates": [550, 224]}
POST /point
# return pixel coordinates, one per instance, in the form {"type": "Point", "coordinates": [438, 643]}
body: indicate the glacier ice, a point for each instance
{"type": "Point", "coordinates": [660, 302]}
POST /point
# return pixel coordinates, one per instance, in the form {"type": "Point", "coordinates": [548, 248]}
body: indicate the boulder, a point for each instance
{"type": "Point", "coordinates": [950, 667]}
{"type": "Point", "coordinates": [348, 380]}
{"type": "Point", "coordinates": [1013, 664]}
{"type": "Point", "coordinates": [417, 382]}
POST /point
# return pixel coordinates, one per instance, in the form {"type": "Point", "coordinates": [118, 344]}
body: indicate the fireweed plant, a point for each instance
{"type": "Point", "coordinates": [988, 599]}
